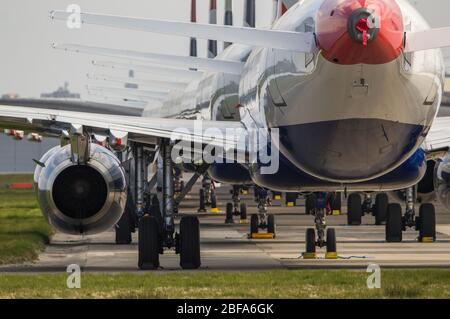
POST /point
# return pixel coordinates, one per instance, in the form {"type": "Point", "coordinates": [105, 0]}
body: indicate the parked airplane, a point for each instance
{"type": "Point", "coordinates": [352, 87]}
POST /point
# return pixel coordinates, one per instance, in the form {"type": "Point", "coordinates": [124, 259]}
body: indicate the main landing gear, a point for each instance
{"type": "Point", "coordinates": [236, 208]}
{"type": "Point", "coordinates": [356, 208]}
{"type": "Point", "coordinates": [312, 241]}
{"type": "Point", "coordinates": [157, 227]}
{"type": "Point", "coordinates": [425, 223]}
{"type": "Point", "coordinates": [262, 220]}
{"type": "Point", "coordinates": [128, 222]}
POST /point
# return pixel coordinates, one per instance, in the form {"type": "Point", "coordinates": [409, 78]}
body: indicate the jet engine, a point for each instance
{"type": "Point", "coordinates": [442, 181]}
{"type": "Point", "coordinates": [85, 198]}
{"type": "Point", "coordinates": [425, 188]}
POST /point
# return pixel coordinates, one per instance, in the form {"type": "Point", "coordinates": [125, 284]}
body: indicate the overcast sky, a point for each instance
{"type": "Point", "coordinates": [29, 66]}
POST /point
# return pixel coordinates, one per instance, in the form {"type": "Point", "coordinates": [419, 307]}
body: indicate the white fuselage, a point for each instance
{"type": "Point", "coordinates": [338, 123]}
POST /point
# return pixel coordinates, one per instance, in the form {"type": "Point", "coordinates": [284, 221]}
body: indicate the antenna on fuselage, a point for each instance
{"type": "Point", "coordinates": [212, 44]}
{"type": "Point", "coordinates": [228, 20]}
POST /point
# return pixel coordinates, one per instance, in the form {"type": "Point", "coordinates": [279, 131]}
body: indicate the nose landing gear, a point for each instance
{"type": "Point", "coordinates": [236, 208]}
{"type": "Point", "coordinates": [262, 220]}
{"type": "Point", "coordinates": [320, 241]}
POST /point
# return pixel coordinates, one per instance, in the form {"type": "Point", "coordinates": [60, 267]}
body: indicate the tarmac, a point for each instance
{"type": "Point", "coordinates": [226, 247]}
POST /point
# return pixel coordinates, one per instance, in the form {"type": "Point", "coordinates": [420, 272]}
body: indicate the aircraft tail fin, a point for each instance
{"type": "Point", "coordinates": [277, 39]}
{"type": "Point", "coordinates": [428, 39]}
{"type": "Point", "coordinates": [175, 75]}
{"type": "Point", "coordinates": [184, 62]}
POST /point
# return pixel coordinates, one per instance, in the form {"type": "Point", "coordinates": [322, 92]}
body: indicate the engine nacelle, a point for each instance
{"type": "Point", "coordinates": [41, 165]}
{"type": "Point", "coordinates": [81, 199]}
{"type": "Point", "coordinates": [425, 188]}
{"type": "Point", "coordinates": [442, 181]}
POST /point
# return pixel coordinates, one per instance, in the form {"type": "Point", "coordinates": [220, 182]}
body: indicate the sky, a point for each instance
{"type": "Point", "coordinates": [28, 65]}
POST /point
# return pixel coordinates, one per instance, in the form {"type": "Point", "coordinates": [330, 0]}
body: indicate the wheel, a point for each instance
{"type": "Point", "coordinates": [380, 208]}
{"type": "Point", "coordinates": [335, 202]}
{"type": "Point", "coordinates": [331, 240]}
{"type": "Point", "coordinates": [190, 242]}
{"type": "Point", "coordinates": [149, 244]}
{"type": "Point", "coordinates": [229, 214]}
{"type": "Point", "coordinates": [254, 224]}
{"type": "Point", "coordinates": [310, 203]}
{"type": "Point", "coordinates": [427, 224]}
{"type": "Point", "coordinates": [123, 229]}
{"type": "Point", "coordinates": [310, 240]}
{"type": "Point", "coordinates": [271, 224]}
{"type": "Point", "coordinates": [394, 223]}
{"type": "Point", "coordinates": [213, 200]}
{"type": "Point", "coordinates": [202, 204]}
{"type": "Point", "coordinates": [155, 211]}
{"type": "Point", "coordinates": [354, 209]}
{"type": "Point", "coordinates": [243, 209]}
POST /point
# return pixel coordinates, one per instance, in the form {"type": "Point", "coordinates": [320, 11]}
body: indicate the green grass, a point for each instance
{"type": "Point", "coordinates": [24, 233]}
{"type": "Point", "coordinates": [424, 283]}
{"type": "Point", "coordinates": [23, 230]}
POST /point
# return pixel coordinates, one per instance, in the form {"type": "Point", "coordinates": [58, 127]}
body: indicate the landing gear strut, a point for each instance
{"type": "Point", "coordinates": [208, 195]}
{"type": "Point", "coordinates": [425, 223]}
{"type": "Point", "coordinates": [320, 241]}
{"type": "Point", "coordinates": [262, 220]}
{"type": "Point", "coordinates": [236, 208]}
{"type": "Point", "coordinates": [156, 236]}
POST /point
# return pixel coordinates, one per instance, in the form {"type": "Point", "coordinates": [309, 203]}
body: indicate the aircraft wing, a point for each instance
{"type": "Point", "coordinates": [142, 129]}
{"type": "Point", "coordinates": [74, 105]}
{"type": "Point", "coordinates": [214, 65]}
{"type": "Point", "coordinates": [439, 136]}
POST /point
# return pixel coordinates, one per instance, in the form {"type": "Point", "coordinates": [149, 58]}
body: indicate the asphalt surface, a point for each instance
{"type": "Point", "coordinates": [226, 247]}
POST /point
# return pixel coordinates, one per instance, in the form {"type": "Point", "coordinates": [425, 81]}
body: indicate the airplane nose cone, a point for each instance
{"type": "Point", "coordinates": [360, 31]}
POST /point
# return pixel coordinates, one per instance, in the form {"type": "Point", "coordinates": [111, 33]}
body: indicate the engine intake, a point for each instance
{"type": "Point", "coordinates": [81, 198]}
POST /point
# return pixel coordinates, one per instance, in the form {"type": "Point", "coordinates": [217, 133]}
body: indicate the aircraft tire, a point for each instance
{"type": "Point", "coordinates": [394, 223]}
{"type": "Point", "coordinates": [190, 243]}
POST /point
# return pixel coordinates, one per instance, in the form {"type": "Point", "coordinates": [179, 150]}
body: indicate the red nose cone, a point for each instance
{"type": "Point", "coordinates": [360, 31]}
